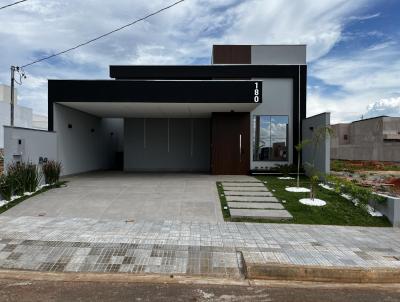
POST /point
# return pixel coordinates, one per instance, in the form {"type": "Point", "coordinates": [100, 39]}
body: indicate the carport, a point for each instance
{"type": "Point", "coordinates": [153, 125]}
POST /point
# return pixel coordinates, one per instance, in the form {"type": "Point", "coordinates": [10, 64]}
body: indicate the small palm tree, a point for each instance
{"type": "Point", "coordinates": [298, 148]}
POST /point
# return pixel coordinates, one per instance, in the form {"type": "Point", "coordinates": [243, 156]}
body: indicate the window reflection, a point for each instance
{"type": "Point", "coordinates": [270, 140]}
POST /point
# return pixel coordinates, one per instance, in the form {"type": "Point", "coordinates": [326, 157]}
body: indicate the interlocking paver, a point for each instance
{"type": "Point", "coordinates": [175, 247]}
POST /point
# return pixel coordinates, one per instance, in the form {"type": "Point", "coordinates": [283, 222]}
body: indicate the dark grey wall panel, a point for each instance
{"type": "Point", "coordinates": [201, 144]}
{"type": "Point", "coordinates": [178, 156]}
{"type": "Point", "coordinates": [160, 144]}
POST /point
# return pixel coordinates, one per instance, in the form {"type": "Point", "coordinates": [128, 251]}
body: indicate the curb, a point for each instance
{"type": "Point", "coordinates": [116, 277]}
{"type": "Point", "coordinates": [275, 271]}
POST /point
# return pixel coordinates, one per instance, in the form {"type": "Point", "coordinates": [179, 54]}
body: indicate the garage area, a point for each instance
{"type": "Point", "coordinates": [167, 144]}
{"type": "Point", "coordinates": [130, 197]}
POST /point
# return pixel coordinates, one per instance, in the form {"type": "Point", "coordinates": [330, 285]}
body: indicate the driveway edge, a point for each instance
{"type": "Point", "coordinates": [115, 277]}
{"type": "Point", "coordinates": [275, 271]}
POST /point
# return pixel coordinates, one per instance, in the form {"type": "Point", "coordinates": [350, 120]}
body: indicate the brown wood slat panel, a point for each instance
{"type": "Point", "coordinates": [231, 54]}
{"type": "Point", "coordinates": [227, 158]}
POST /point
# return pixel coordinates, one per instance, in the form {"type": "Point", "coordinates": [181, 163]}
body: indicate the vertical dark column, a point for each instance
{"type": "Point", "coordinates": [257, 135]}
{"type": "Point", "coordinates": [50, 116]}
{"type": "Point", "coordinates": [299, 105]}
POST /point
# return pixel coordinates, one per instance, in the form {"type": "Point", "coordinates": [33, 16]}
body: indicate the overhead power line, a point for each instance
{"type": "Point", "coordinates": [11, 4]}
{"type": "Point", "coordinates": [103, 35]}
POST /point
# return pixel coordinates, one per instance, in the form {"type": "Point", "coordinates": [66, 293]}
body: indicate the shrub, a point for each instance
{"type": "Point", "coordinates": [25, 177]}
{"type": "Point", "coordinates": [32, 177]}
{"type": "Point", "coordinates": [285, 169]}
{"type": "Point", "coordinates": [6, 186]}
{"type": "Point", "coordinates": [51, 171]}
{"type": "Point", "coordinates": [363, 195]}
{"type": "Point", "coordinates": [14, 172]}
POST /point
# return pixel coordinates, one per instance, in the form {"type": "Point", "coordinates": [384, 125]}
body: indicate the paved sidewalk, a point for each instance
{"type": "Point", "coordinates": [89, 245]}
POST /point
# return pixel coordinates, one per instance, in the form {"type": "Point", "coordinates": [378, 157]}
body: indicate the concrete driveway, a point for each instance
{"type": "Point", "coordinates": [130, 196]}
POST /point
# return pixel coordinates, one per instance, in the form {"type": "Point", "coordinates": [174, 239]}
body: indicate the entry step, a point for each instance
{"type": "Point", "coordinates": [242, 193]}
{"type": "Point", "coordinates": [246, 189]}
{"type": "Point", "coordinates": [242, 184]}
{"type": "Point", "coordinates": [264, 214]}
{"type": "Point", "coordinates": [252, 198]}
{"type": "Point", "coordinates": [255, 205]}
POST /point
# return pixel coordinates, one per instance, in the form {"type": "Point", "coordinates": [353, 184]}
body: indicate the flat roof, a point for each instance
{"type": "Point", "coordinates": [155, 91]}
{"type": "Point", "coordinates": [203, 72]}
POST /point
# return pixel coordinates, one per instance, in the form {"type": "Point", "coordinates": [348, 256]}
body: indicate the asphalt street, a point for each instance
{"type": "Point", "coordinates": [44, 290]}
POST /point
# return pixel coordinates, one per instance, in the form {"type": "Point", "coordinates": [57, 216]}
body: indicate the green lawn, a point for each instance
{"type": "Point", "coordinates": [338, 211]}
{"type": "Point", "coordinates": [19, 200]}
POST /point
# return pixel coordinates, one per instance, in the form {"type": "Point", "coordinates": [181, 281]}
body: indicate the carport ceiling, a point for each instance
{"type": "Point", "coordinates": [114, 109]}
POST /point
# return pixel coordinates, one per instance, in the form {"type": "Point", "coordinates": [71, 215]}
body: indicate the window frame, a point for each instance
{"type": "Point", "coordinates": [253, 124]}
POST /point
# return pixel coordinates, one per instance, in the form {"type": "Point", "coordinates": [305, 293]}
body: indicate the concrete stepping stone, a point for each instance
{"type": "Point", "coordinates": [242, 193]}
{"type": "Point", "coordinates": [265, 214]}
{"type": "Point", "coordinates": [247, 189]}
{"type": "Point", "coordinates": [243, 184]}
{"type": "Point", "coordinates": [255, 205]}
{"type": "Point", "coordinates": [252, 198]}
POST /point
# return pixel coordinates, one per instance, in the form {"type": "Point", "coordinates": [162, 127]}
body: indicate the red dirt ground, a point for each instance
{"type": "Point", "coordinates": [396, 183]}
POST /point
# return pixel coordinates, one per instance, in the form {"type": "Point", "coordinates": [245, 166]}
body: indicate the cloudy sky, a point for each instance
{"type": "Point", "coordinates": [353, 46]}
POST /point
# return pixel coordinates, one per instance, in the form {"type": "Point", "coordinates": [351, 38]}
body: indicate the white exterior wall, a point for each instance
{"type": "Point", "coordinates": [79, 149]}
{"type": "Point", "coordinates": [34, 144]}
{"type": "Point", "coordinates": [278, 54]}
{"type": "Point", "coordinates": [40, 121]}
{"type": "Point", "coordinates": [321, 155]}
{"type": "Point", "coordinates": [22, 118]}
{"type": "Point", "coordinates": [5, 94]}
{"type": "Point", "coordinates": [277, 99]}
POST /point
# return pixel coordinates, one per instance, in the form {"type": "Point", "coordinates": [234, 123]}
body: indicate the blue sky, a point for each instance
{"type": "Point", "coordinates": [353, 49]}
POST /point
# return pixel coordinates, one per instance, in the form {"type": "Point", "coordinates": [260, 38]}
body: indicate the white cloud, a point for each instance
{"type": "Point", "coordinates": [390, 106]}
{"type": "Point", "coordinates": [365, 17]}
{"type": "Point", "coordinates": [360, 78]}
{"type": "Point", "coordinates": [178, 36]}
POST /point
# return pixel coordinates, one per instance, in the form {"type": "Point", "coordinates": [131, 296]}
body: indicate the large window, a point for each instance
{"type": "Point", "coordinates": [270, 137]}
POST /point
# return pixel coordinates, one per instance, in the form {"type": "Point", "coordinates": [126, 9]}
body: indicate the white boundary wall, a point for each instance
{"type": "Point", "coordinates": [25, 144]}
{"type": "Point", "coordinates": [323, 151]}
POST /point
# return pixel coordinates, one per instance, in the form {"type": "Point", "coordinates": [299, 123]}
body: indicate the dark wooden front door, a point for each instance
{"type": "Point", "coordinates": [230, 143]}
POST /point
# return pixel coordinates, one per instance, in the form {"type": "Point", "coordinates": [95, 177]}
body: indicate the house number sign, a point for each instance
{"type": "Point", "coordinates": [256, 93]}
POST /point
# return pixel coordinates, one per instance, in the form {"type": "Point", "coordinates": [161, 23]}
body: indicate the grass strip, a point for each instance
{"type": "Point", "coordinates": [22, 198]}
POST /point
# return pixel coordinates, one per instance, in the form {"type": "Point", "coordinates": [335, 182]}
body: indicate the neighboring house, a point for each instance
{"type": "Point", "coordinates": [39, 121]}
{"type": "Point", "coordinates": [22, 115]}
{"type": "Point", "coordinates": [376, 138]}
{"type": "Point", "coordinates": [241, 113]}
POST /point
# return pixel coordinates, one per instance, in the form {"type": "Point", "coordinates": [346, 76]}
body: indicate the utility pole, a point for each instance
{"type": "Point", "coordinates": [13, 68]}
{"type": "Point", "coordinates": [12, 101]}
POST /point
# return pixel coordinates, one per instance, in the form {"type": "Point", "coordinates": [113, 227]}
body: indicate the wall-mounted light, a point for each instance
{"type": "Point", "coordinates": [92, 130]}
{"type": "Point", "coordinates": [69, 126]}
